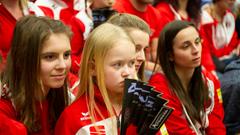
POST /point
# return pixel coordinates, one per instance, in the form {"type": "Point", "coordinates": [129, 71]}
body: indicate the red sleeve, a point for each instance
{"type": "Point", "coordinates": [77, 43]}
{"type": "Point", "coordinates": [8, 124]}
{"type": "Point", "coordinates": [207, 61]}
{"type": "Point", "coordinates": [216, 126]}
{"type": "Point", "coordinates": [176, 123]}
{"type": "Point", "coordinates": [63, 125]}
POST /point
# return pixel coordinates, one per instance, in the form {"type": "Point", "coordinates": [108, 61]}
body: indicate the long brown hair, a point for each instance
{"type": "Point", "coordinates": [197, 94]}
{"type": "Point", "coordinates": [22, 74]}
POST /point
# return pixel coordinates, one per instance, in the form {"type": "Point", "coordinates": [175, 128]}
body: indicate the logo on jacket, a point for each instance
{"type": "Point", "coordinates": [85, 116]}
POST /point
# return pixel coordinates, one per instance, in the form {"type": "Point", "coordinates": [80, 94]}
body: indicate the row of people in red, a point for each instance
{"type": "Point", "coordinates": [107, 56]}
{"type": "Point", "coordinates": [78, 63]}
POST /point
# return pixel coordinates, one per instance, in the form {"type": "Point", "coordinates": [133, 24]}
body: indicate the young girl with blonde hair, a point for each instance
{"type": "Point", "coordinates": [108, 58]}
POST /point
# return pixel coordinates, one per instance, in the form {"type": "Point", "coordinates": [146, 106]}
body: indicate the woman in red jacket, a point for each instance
{"type": "Point", "coordinates": [193, 93]}
{"type": "Point", "coordinates": [35, 89]}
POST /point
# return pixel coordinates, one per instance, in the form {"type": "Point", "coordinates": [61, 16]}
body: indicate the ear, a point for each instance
{"type": "Point", "coordinates": [92, 68]}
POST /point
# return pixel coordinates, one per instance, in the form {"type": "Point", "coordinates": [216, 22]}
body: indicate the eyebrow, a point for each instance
{"type": "Point", "coordinates": [197, 38]}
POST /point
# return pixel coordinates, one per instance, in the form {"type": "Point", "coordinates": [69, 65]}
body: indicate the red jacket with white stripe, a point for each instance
{"type": "Point", "coordinates": [9, 124]}
{"type": "Point", "coordinates": [75, 119]}
{"type": "Point", "coordinates": [81, 26]}
{"type": "Point", "coordinates": [177, 122]}
{"type": "Point", "coordinates": [219, 39]}
{"type": "Point", "coordinates": [57, 9]}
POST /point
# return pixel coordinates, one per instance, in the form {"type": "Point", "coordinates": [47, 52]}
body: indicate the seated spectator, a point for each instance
{"type": "Point", "coordinates": [220, 39]}
{"type": "Point", "coordinates": [171, 10]}
{"type": "Point", "coordinates": [94, 13]}
{"type": "Point", "coordinates": [190, 91]}
{"type": "Point", "coordinates": [34, 85]}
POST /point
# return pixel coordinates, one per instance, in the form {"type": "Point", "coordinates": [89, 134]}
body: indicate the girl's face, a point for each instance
{"type": "Point", "coordinates": [55, 61]}
{"type": "Point", "coordinates": [141, 40]}
{"type": "Point", "coordinates": [119, 64]}
{"type": "Point", "coordinates": [187, 49]}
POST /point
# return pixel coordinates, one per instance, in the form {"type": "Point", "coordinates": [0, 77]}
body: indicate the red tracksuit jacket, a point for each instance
{"type": "Point", "coordinates": [177, 123]}
{"type": "Point", "coordinates": [220, 40]}
{"type": "Point", "coordinates": [75, 119]}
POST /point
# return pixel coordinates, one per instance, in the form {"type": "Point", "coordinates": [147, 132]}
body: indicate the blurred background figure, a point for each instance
{"type": "Point", "coordinates": [220, 39]}
{"type": "Point", "coordinates": [188, 10]}
{"type": "Point", "coordinates": [230, 85]}
{"type": "Point", "coordinates": [10, 12]}
{"type": "Point", "coordinates": [93, 14]}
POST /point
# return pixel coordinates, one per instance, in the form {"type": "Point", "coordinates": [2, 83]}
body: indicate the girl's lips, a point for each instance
{"type": "Point", "coordinates": [197, 59]}
{"type": "Point", "coordinates": [59, 77]}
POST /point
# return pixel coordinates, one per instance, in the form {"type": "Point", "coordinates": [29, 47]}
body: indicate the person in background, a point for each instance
{"type": "Point", "coordinates": [94, 13]}
{"type": "Point", "coordinates": [10, 12]}
{"type": "Point", "coordinates": [152, 17]}
{"type": "Point", "coordinates": [171, 10]}
{"type": "Point", "coordinates": [108, 58]}
{"type": "Point", "coordinates": [230, 85]}
{"type": "Point", "coordinates": [220, 39]}
{"type": "Point", "coordinates": [34, 85]}
{"type": "Point", "coordinates": [58, 9]}
{"type": "Point", "coordinates": [193, 93]}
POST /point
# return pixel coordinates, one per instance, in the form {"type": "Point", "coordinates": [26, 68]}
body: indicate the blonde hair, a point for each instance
{"type": "Point", "coordinates": [97, 45]}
